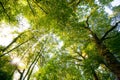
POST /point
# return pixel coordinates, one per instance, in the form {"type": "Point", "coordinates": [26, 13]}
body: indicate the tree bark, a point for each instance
{"type": "Point", "coordinates": [110, 60]}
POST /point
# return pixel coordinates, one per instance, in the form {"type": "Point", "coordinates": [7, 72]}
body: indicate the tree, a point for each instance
{"type": "Point", "coordinates": [84, 27]}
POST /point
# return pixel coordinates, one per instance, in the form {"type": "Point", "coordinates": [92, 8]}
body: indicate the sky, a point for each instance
{"type": "Point", "coordinates": [6, 30]}
{"type": "Point", "coordinates": [114, 3]}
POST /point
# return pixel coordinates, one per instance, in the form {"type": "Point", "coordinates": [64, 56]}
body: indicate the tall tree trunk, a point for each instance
{"type": "Point", "coordinates": [110, 60]}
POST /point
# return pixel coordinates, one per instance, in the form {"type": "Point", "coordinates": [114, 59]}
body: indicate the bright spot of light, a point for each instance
{"type": "Point", "coordinates": [115, 3]}
{"type": "Point", "coordinates": [6, 31]}
{"type": "Point", "coordinates": [16, 61]}
{"type": "Point", "coordinates": [6, 35]}
{"type": "Point", "coordinates": [60, 44]}
{"type": "Point", "coordinates": [108, 10]}
{"type": "Point", "coordinates": [23, 23]}
{"type": "Point", "coordinates": [16, 76]}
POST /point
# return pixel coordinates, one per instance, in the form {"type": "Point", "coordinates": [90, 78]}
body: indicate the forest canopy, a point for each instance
{"type": "Point", "coordinates": [59, 40]}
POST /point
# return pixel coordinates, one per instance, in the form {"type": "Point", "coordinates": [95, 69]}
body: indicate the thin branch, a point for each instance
{"type": "Point", "coordinates": [110, 37]}
{"type": "Point", "coordinates": [88, 17]}
{"type": "Point", "coordinates": [40, 7]}
{"type": "Point", "coordinates": [87, 21]}
{"type": "Point", "coordinates": [14, 40]}
{"type": "Point", "coordinates": [111, 29]}
{"type": "Point", "coordinates": [80, 54]}
{"type": "Point", "coordinates": [31, 8]}
{"type": "Point", "coordinates": [5, 11]}
{"type": "Point", "coordinates": [15, 47]}
{"type": "Point", "coordinates": [95, 37]}
{"type": "Point", "coordinates": [31, 67]}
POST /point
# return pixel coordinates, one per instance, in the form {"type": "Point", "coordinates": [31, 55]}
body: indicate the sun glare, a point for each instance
{"type": "Point", "coordinates": [16, 61]}
{"type": "Point", "coordinates": [6, 31]}
{"type": "Point", "coordinates": [115, 3]}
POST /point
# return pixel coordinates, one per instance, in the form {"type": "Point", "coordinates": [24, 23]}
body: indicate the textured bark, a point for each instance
{"type": "Point", "coordinates": [110, 60]}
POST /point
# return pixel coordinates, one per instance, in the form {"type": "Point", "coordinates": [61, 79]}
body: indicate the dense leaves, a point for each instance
{"type": "Point", "coordinates": [66, 40]}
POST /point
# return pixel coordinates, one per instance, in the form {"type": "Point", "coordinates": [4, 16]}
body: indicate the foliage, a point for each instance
{"type": "Point", "coordinates": [66, 40]}
{"type": "Point", "coordinates": [6, 69]}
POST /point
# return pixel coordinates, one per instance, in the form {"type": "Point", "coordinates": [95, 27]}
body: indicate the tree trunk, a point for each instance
{"type": "Point", "coordinates": [110, 60]}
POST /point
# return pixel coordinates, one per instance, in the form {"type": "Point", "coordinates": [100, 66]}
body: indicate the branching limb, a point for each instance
{"type": "Point", "coordinates": [111, 29]}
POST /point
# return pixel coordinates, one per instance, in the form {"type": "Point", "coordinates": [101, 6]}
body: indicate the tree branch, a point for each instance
{"type": "Point", "coordinates": [112, 28]}
{"type": "Point", "coordinates": [31, 8]}
{"type": "Point", "coordinates": [94, 35]}
{"type": "Point", "coordinates": [111, 37]}
{"type": "Point", "coordinates": [32, 65]}
{"type": "Point", "coordinates": [16, 47]}
{"type": "Point", "coordinates": [80, 54]}
{"type": "Point", "coordinates": [76, 58]}
{"type": "Point", "coordinates": [14, 40]}
{"type": "Point", "coordinates": [5, 11]}
{"type": "Point", "coordinates": [40, 7]}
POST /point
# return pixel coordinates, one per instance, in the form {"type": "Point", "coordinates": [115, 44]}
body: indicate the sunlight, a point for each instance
{"type": "Point", "coordinates": [19, 64]}
{"type": "Point", "coordinates": [16, 76]}
{"type": "Point", "coordinates": [16, 60]}
{"type": "Point", "coordinates": [108, 10]}
{"type": "Point", "coordinates": [6, 35]}
{"type": "Point", "coordinates": [115, 3]}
